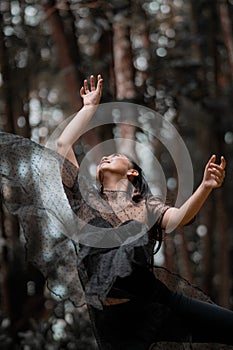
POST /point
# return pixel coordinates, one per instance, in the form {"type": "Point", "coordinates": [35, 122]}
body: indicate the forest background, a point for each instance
{"type": "Point", "coordinates": [173, 56]}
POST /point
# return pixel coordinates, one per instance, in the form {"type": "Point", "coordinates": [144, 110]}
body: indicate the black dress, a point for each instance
{"type": "Point", "coordinates": [90, 247]}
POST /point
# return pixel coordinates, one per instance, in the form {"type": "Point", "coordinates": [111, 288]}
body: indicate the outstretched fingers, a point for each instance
{"type": "Point", "coordinates": [223, 163]}
{"type": "Point", "coordinates": [92, 82]}
{"type": "Point", "coordinates": [222, 167]}
{"type": "Point", "coordinates": [217, 171]}
{"type": "Point", "coordinates": [211, 160]}
{"type": "Point", "coordinates": [85, 88]}
{"type": "Point", "coordinates": [99, 84]}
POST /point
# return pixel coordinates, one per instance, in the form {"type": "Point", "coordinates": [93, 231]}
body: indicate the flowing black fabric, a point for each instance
{"type": "Point", "coordinates": [69, 228]}
{"type": "Point", "coordinates": [32, 189]}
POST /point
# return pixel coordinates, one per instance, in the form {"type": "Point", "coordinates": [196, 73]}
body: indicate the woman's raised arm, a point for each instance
{"type": "Point", "coordinates": [91, 98]}
{"type": "Point", "coordinates": [213, 177]}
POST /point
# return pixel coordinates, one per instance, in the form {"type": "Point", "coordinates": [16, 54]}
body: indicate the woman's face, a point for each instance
{"type": "Point", "coordinates": [115, 163]}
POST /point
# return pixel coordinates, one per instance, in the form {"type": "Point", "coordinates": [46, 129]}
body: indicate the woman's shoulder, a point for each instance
{"type": "Point", "coordinates": [156, 199]}
{"type": "Point", "coordinates": [157, 207]}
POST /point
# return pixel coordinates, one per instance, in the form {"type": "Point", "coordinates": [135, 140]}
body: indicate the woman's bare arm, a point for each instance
{"type": "Point", "coordinates": [91, 98]}
{"type": "Point", "coordinates": [213, 177]}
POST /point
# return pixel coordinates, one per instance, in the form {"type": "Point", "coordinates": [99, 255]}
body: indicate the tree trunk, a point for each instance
{"type": "Point", "coordinates": [227, 36]}
{"type": "Point", "coordinates": [66, 63]}
{"type": "Point", "coordinates": [124, 78]}
{"type": "Point", "coordinates": [8, 123]}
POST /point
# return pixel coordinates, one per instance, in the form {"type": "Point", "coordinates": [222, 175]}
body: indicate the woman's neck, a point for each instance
{"type": "Point", "coordinates": [122, 185]}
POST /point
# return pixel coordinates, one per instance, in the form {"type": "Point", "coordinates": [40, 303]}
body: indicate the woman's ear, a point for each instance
{"type": "Point", "coordinates": [131, 173]}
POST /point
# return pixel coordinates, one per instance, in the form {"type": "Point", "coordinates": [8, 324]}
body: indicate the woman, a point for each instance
{"type": "Point", "coordinates": [132, 291]}
{"type": "Point", "coordinates": [118, 228]}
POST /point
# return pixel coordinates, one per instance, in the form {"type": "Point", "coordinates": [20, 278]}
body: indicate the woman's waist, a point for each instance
{"type": "Point", "coordinates": [115, 301]}
{"type": "Point", "coordinates": [118, 296]}
{"type": "Point", "coordinates": [141, 284]}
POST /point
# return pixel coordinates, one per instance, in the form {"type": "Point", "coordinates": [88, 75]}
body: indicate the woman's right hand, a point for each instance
{"type": "Point", "coordinates": [92, 96]}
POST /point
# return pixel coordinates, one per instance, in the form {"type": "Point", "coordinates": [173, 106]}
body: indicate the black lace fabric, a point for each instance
{"type": "Point", "coordinates": [71, 233]}
{"type": "Point", "coordinates": [79, 239]}
{"type": "Point", "coordinates": [32, 189]}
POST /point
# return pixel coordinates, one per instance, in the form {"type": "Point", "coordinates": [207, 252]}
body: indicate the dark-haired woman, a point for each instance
{"type": "Point", "coordinates": [118, 229]}
{"type": "Point", "coordinates": [133, 295]}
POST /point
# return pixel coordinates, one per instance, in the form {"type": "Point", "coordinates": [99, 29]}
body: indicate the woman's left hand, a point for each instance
{"type": "Point", "coordinates": [214, 174]}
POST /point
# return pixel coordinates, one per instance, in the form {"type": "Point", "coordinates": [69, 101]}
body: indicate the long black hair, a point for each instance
{"type": "Point", "coordinates": [140, 183]}
{"type": "Point", "coordinates": [143, 192]}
